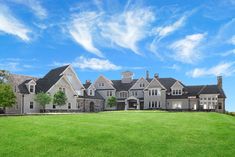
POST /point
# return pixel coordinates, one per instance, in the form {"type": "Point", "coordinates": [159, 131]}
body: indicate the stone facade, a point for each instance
{"type": "Point", "coordinates": [143, 93]}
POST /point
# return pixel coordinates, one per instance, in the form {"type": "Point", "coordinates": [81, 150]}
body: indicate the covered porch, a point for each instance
{"type": "Point", "coordinates": [132, 103]}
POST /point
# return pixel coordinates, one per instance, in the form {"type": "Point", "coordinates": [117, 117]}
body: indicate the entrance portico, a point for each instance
{"type": "Point", "coordinates": [132, 103]}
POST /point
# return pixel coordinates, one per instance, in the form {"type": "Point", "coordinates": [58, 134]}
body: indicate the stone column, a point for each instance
{"type": "Point", "coordinates": [138, 104]}
{"type": "Point", "coordinates": [126, 105]}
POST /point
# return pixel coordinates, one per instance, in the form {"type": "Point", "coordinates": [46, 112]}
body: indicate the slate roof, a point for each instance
{"type": "Point", "coordinates": [45, 83]}
{"type": "Point", "coordinates": [119, 86]}
{"type": "Point", "coordinates": [20, 81]}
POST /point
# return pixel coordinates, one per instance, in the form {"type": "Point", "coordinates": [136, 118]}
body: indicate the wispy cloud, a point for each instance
{"type": "Point", "coordinates": [228, 53]}
{"type": "Point", "coordinates": [187, 50]}
{"type": "Point", "coordinates": [232, 40]}
{"type": "Point", "coordinates": [164, 31]}
{"type": "Point", "coordinates": [10, 25]}
{"type": "Point", "coordinates": [128, 28]}
{"type": "Point", "coordinates": [82, 29]}
{"type": "Point", "coordinates": [174, 67]}
{"type": "Point", "coordinates": [124, 29]}
{"type": "Point", "coordinates": [225, 69]}
{"type": "Point", "coordinates": [91, 64]}
{"type": "Point", "coordinates": [35, 6]}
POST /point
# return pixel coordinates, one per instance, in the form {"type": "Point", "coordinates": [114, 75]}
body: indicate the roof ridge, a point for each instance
{"type": "Point", "coordinates": [204, 86]}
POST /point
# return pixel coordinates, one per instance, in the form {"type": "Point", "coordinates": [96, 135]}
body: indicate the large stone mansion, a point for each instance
{"type": "Point", "coordinates": [140, 94]}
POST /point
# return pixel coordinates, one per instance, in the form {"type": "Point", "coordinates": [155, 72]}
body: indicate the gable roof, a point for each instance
{"type": "Point", "coordinates": [45, 83]}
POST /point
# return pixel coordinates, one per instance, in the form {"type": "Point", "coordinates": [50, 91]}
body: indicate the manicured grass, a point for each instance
{"type": "Point", "coordinates": [118, 134]}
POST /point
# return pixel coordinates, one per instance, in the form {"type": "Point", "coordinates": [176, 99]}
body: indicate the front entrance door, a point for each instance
{"type": "Point", "coordinates": [92, 106]}
{"type": "Point", "coordinates": [132, 104]}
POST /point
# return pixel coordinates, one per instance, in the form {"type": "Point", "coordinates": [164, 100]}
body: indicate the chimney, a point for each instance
{"type": "Point", "coordinates": [127, 76]}
{"type": "Point", "coordinates": [156, 75]}
{"type": "Point", "coordinates": [219, 81]}
{"type": "Point", "coordinates": [147, 74]}
{"type": "Point", "coordinates": [88, 81]}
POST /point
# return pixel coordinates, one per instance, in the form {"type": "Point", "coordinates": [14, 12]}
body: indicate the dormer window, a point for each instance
{"type": "Point", "coordinates": [91, 92]}
{"type": "Point", "coordinates": [31, 88]}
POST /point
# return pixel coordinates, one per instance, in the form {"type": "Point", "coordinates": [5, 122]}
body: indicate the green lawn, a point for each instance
{"type": "Point", "coordinates": [118, 134]}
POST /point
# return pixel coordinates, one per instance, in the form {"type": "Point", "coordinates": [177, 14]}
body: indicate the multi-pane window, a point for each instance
{"type": "Point", "coordinates": [176, 92]}
{"type": "Point", "coordinates": [69, 105]}
{"type": "Point", "coordinates": [154, 92]}
{"type": "Point", "coordinates": [109, 93]}
{"type": "Point", "coordinates": [142, 84]}
{"type": "Point", "coordinates": [31, 105]}
{"type": "Point", "coordinates": [123, 94]}
{"type": "Point", "coordinates": [101, 84]}
{"type": "Point", "coordinates": [31, 88]}
{"type": "Point", "coordinates": [91, 93]}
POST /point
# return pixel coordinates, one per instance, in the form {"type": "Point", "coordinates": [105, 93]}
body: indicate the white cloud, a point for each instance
{"type": "Point", "coordinates": [165, 31]}
{"type": "Point", "coordinates": [232, 40]}
{"type": "Point", "coordinates": [230, 52]}
{"type": "Point", "coordinates": [187, 50]}
{"type": "Point", "coordinates": [10, 25]}
{"type": "Point", "coordinates": [82, 30]}
{"type": "Point", "coordinates": [225, 69]}
{"type": "Point", "coordinates": [10, 66]}
{"type": "Point", "coordinates": [35, 6]}
{"type": "Point", "coordinates": [174, 67]}
{"type": "Point", "coordinates": [128, 28]}
{"type": "Point", "coordinates": [91, 63]}
{"type": "Point", "coordinates": [94, 64]}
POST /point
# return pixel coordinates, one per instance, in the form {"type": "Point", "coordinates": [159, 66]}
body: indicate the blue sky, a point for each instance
{"type": "Point", "coordinates": [192, 41]}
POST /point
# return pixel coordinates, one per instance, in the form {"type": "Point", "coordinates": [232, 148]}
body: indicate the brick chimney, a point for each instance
{"type": "Point", "coordinates": [147, 74]}
{"type": "Point", "coordinates": [220, 81]}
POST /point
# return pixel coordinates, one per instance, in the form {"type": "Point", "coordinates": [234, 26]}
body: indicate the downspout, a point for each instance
{"type": "Point", "coordinates": [22, 107]}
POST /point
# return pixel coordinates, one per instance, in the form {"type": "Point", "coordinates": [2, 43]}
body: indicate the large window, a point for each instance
{"type": "Point", "coordinates": [176, 105]}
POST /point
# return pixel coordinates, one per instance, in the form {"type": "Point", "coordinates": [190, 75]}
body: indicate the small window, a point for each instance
{"type": "Point", "coordinates": [159, 104]}
{"type": "Point", "coordinates": [149, 92]}
{"type": "Point", "coordinates": [60, 89]}
{"type": "Point", "coordinates": [155, 104]}
{"type": "Point", "coordinates": [31, 88]}
{"type": "Point", "coordinates": [204, 98]}
{"type": "Point", "coordinates": [152, 92]}
{"type": "Point", "coordinates": [149, 104]}
{"type": "Point", "coordinates": [213, 98]}
{"type": "Point", "coordinates": [64, 90]}
{"type": "Point", "coordinates": [220, 106]}
{"type": "Point", "coordinates": [209, 98]}
{"type": "Point", "coordinates": [15, 89]}
{"type": "Point", "coordinates": [54, 106]}
{"type": "Point", "coordinates": [69, 105]}
{"type": "Point", "coordinates": [91, 93]}
{"type": "Point", "coordinates": [102, 84]}
{"type": "Point", "coordinates": [31, 105]}
{"type": "Point", "coordinates": [135, 93]}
